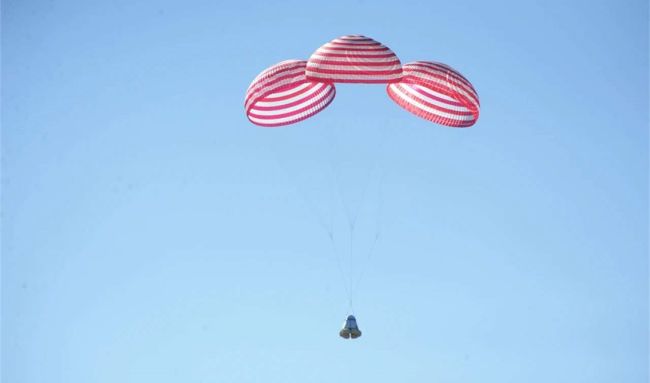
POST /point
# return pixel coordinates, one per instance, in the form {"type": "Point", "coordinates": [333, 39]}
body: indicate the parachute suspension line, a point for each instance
{"type": "Point", "coordinates": [337, 258]}
{"type": "Point", "coordinates": [351, 267]}
{"type": "Point", "coordinates": [353, 222]}
{"type": "Point", "coordinates": [335, 189]}
{"type": "Point", "coordinates": [335, 169]}
{"type": "Point", "coordinates": [320, 220]}
{"type": "Point", "coordinates": [379, 212]}
{"type": "Point", "coordinates": [350, 213]}
{"type": "Point", "coordinates": [377, 236]}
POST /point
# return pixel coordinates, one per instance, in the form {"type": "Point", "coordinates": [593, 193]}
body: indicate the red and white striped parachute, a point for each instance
{"type": "Point", "coordinates": [436, 92]}
{"type": "Point", "coordinates": [294, 90]}
{"type": "Point", "coordinates": [282, 95]}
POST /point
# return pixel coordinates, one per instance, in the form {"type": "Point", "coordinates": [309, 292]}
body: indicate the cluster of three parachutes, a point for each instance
{"type": "Point", "coordinates": [294, 90]}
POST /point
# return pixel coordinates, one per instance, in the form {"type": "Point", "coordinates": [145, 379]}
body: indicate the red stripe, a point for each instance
{"type": "Point", "coordinates": [355, 63]}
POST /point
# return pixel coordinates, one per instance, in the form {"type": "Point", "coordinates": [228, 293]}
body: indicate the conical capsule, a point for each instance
{"type": "Point", "coordinates": [350, 329]}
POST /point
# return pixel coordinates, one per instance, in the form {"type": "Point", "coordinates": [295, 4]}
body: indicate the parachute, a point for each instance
{"type": "Point", "coordinates": [294, 90]}
{"type": "Point", "coordinates": [282, 95]}
{"type": "Point", "coordinates": [436, 92]}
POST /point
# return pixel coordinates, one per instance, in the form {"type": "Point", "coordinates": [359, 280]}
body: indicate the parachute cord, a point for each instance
{"type": "Point", "coordinates": [336, 176]}
{"type": "Point", "coordinates": [335, 189]}
{"type": "Point", "coordinates": [378, 228]}
{"type": "Point", "coordinates": [320, 220]}
{"type": "Point", "coordinates": [335, 166]}
{"type": "Point", "coordinates": [369, 255]}
{"type": "Point", "coordinates": [352, 221]}
{"type": "Point", "coordinates": [351, 264]}
{"type": "Point", "coordinates": [339, 266]}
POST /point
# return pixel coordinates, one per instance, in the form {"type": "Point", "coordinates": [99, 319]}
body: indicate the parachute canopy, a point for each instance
{"type": "Point", "coordinates": [436, 92]}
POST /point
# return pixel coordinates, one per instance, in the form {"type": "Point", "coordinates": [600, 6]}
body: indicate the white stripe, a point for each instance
{"type": "Point", "coordinates": [411, 101]}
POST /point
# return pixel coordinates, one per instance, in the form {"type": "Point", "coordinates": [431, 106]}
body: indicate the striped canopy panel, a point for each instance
{"type": "Point", "coordinates": [354, 59]}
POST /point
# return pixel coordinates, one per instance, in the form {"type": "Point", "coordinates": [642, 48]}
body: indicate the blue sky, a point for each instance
{"type": "Point", "coordinates": [150, 233]}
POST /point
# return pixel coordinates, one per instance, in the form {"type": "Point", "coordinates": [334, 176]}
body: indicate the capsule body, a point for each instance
{"type": "Point", "coordinates": [350, 329]}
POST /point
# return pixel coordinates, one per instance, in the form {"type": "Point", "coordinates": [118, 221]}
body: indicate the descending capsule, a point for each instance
{"type": "Point", "coordinates": [350, 329]}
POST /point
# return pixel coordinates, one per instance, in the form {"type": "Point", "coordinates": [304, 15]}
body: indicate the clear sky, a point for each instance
{"type": "Point", "coordinates": [152, 234]}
